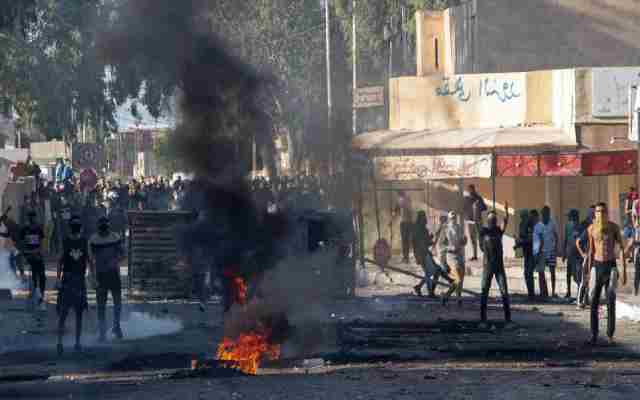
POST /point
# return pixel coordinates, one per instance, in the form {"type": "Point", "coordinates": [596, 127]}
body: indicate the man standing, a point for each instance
{"type": "Point", "coordinates": [455, 241]}
{"type": "Point", "coordinates": [71, 280]}
{"type": "Point", "coordinates": [630, 201]}
{"type": "Point", "coordinates": [582, 244]}
{"type": "Point", "coordinates": [59, 171]}
{"type": "Point", "coordinates": [547, 235]}
{"type": "Point", "coordinates": [474, 206]}
{"type": "Point", "coordinates": [524, 242]}
{"type": "Point", "coordinates": [405, 210]}
{"type": "Point", "coordinates": [31, 238]}
{"type": "Point", "coordinates": [493, 263]}
{"type": "Point", "coordinates": [603, 235]}
{"type": "Point", "coordinates": [105, 252]}
{"type": "Point", "coordinates": [571, 257]}
{"type": "Point", "coordinates": [633, 249]}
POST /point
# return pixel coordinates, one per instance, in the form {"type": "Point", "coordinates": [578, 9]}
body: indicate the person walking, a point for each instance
{"type": "Point", "coordinates": [456, 242]}
{"type": "Point", "coordinates": [422, 243]}
{"type": "Point", "coordinates": [603, 236]}
{"type": "Point", "coordinates": [474, 206]}
{"type": "Point", "coordinates": [72, 290]}
{"type": "Point", "coordinates": [493, 263]}
{"type": "Point", "coordinates": [105, 253]}
{"type": "Point", "coordinates": [547, 234]}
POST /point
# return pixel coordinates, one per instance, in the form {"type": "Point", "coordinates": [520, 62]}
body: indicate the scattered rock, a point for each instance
{"type": "Point", "coordinates": [592, 385]}
{"type": "Point", "coordinates": [430, 377]}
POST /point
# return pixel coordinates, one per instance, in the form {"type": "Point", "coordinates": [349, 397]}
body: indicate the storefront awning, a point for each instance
{"type": "Point", "coordinates": [467, 141]}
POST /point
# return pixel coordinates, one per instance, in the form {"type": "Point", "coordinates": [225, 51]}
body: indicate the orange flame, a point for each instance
{"type": "Point", "coordinates": [248, 351]}
{"type": "Point", "coordinates": [250, 348]}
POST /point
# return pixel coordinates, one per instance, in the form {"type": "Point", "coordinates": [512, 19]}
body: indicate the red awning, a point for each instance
{"type": "Point", "coordinates": [518, 165]}
{"type": "Point", "coordinates": [610, 163]}
{"type": "Point", "coordinates": [560, 165]}
{"type": "Point", "coordinates": [584, 164]}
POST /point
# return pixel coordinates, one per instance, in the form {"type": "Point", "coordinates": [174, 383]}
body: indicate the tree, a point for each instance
{"type": "Point", "coordinates": [16, 14]}
{"type": "Point", "coordinates": [283, 39]}
{"type": "Point", "coordinates": [166, 155]}
{"type": "Point", "coordinates": [51, 72]}
{"type": "Point", "coordinates": [51, 75]}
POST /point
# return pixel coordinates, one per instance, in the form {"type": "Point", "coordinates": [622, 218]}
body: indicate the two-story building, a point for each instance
{"type": "Point", "coordinates": [529, 101]}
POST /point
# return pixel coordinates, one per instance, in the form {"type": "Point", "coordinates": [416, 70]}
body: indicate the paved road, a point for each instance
{"type": "Point", "coordinates": [542, 356]}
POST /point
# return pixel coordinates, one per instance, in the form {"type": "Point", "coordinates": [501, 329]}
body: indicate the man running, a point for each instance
{"type": "Point", "coordinates": [71, 278]}
{"type": "Point", "coordinates": [105, 252]}
{"type": "Point", "coordinates": [603, 235]}
{"type": "Point", "coordinates": [493, 265]}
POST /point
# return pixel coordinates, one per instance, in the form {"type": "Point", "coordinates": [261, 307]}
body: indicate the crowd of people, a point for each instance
{"type": "Point", "coordinates": [588, 250]}
{"type": "Point", "coordinates": [81, 221]}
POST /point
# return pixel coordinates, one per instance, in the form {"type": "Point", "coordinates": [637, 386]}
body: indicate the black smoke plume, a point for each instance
{"type": "Point", "coordinates": [169, 42]}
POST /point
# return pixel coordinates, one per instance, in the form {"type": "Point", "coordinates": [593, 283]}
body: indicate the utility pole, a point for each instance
{"type": "Point", "coordinates": [354, 36]}
{"type": "Point", "coordinates": [329, 91]}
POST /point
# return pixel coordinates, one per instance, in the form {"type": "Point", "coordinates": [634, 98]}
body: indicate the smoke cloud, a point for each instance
{"type": "Point", "coordinates": [221, 102]}
{"type": "Point", "coordinates": [219, 97]}
{"type": "Point", "coordinates": [140, 325]}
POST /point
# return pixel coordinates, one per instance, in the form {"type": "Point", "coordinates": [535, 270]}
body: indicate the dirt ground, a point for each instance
{"type": "Point", "coordinates": [384, 344]}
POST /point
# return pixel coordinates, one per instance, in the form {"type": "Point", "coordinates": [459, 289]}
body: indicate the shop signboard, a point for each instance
{"type": "Point", "coordinates": [407, 168]}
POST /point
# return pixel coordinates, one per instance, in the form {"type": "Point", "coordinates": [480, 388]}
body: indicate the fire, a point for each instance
{"type": "Point", "coordinates": [247, 350]}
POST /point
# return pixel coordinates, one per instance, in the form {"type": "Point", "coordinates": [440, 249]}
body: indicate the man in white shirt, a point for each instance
{"type": "Point", "coordinates": [545, 247]}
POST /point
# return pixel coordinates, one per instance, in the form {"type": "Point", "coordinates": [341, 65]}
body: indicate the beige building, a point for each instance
{"type": "Point", "coordinates": [528, 93]}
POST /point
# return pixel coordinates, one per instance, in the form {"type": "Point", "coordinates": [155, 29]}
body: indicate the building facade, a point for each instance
{"type": "Point", "coordinates": [514, 98]}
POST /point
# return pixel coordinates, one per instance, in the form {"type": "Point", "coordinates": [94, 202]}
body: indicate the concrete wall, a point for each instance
{"type": "Point", "coordinates": [547, 34]}
{"type": "Point", "coordinates": [431, 43]}
{"type": "Point", "coordinates": [469, 101]}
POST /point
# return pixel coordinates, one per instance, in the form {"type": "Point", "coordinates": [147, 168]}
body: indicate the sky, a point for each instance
{"type": "Point", "coordinates": [126, 121]}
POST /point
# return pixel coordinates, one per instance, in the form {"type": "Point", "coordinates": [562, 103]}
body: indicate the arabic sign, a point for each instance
{"type": "Point", "coordinates": [433, 167]}
{"type": "Point", "coordinates": [369, 97]}
{"type": "Point", "coordinates": [610, 91]}
{"type": "Point", "coordinates": [502, 89]}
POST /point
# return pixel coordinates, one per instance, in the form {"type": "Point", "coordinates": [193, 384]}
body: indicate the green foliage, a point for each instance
{"type": "Point", "coordinates": [51, 74]}
{"type": "Point", "coordinates": [16, 14]}
{"type": "Point", "coordinates": [165, 153]}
